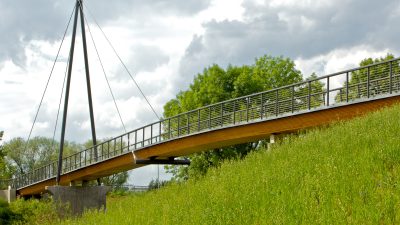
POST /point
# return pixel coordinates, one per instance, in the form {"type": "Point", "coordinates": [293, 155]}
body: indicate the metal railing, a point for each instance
{"type": "Point", "coordinates": [359, 84]}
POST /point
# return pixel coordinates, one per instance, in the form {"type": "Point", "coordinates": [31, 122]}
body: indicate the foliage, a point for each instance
{"type": "Point", "coordinates": [358, 79]}
{"type": "Point", "coordinates": [38, 152]}
{"type": "Point", "coordinates": [348, 173]}
{"type": "Point", "coordinates": [5, 168]}
{"type": "Point", "coordinates": [21, 157]}
{"type": "Point", "coordinates": [116, 181]}
{"type": "Point", "coordinates": [156, 184]}
{"type": "Point", "coordinates": [216, 84]}
{"type": "Point", "coordinates": [7, 216]}
{"type": "Point", "coordinates": [34, 211]}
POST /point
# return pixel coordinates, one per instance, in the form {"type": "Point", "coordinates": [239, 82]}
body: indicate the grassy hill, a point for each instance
{"type": "Point", "coordinates": [347, 173]}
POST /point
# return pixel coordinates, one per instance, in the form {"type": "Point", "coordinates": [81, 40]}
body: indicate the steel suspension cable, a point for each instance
{"type": "Point", "coordinates": [48, 80]}
{"type": "Point", "coordinates": [105, 75]}
{"type": "Point", "coordinates": [122, 62]}
{"type": "Point", "coordinates": [59, 104]}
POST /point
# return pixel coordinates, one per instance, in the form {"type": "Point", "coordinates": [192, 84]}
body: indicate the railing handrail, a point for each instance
{"type": "Point", "coordinates": [283, 87]}
{"type": "Point", "coordinates": [277, 102]}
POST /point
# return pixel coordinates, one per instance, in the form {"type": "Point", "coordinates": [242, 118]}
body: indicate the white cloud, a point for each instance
{"type": "Point", "coordinates": [164, 44]}
{"type": "Point", "coordinates": [338, 60]}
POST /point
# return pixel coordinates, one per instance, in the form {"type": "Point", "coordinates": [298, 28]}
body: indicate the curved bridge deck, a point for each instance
{"type": "Point", "coordinates": [249, 118]}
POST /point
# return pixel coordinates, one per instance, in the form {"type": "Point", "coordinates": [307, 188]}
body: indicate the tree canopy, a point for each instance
{"type": "Point", "coordinates": [378, 78]}
{"type": "Point", "coordinates": [24, 157]}
{"type": "Point", "coordinates": [216, 84]}
{"type": "Point", "coordinates": [19, 157]}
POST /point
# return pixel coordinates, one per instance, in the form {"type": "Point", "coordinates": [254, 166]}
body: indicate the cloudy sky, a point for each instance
{"type": "Point", "coordinates": [165, 44]}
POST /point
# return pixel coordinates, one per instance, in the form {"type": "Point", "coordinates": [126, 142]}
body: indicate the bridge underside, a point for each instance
{"type": "Point", "coordinates": [216, 139]}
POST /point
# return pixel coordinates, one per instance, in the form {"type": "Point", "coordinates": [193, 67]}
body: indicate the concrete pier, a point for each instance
{"type": "Point", "coordinates": [79, 198]}
{"type": "Point", "coordinates": [8, 195]}
{"type": "Point", "coordinates": [272, 140]}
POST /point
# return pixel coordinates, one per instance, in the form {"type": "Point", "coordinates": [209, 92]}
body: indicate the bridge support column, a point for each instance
{"type": "Point", "coordinates": [273, 138]}
{"type": "Point", "coordinates": [79, 198]}
{"type": "Point", "coordinates": [8, 195]}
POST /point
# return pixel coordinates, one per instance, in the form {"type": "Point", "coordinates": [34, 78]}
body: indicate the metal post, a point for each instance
{"type": "Point", "coordinates": [293, 99]}
{"type": "Point", "coordinates": [71, 58]}
{"type": "Point", "coordinates": [347, 87]}
{"type": "Point", "coordinates": [247, 108]}
{"type": "Point", "coordinates": [188, 123]}
{"type": "Point", "coordinates": [151, 134]}
{"type": "Point", "coordinates": [169, 128]}
{"type": "Point", "coordinates": [135, 140]}
{"type": "Point", "coordinates": [309, 95]}
{"type": "Point", "coordinates": [262, 106]}
{"type": "Point", "coordinates": [89, 91]}
{"type": "Point", "coordinates": [390, 78]}
{"type": "Point", "coordinates": [122, 144]}
{"type": "Point", "coordinates": [159, 131]}
{"type": "Point", "coordinates": [143, 139]}
{"type": "Point", "coordinates": [276, 103]}
{"type": "Point", "coordinates": [179, 129]}
{"type": "Point", "coordinates": [368, 83]}
{"type": "Point", "coordinates": [234, 111]}
{"type": "Point", "coordinates": [209, 117]}
{"type": "Point", "coordinates": [327, 91]}
{"type": "Point", "coordinates": [222, 114]}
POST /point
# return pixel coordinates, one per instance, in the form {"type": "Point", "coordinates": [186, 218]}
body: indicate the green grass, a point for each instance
{"type": "Point", "coordinates": [347, 173]}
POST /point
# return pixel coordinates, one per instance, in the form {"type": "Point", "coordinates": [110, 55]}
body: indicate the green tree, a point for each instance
{"type": "Point", "coordinates": [24, 157]}
{"type": "Point", "coordinates": [7, 216]}
{"type": "Point", "coordinates": [215, 85]}
{"type": "Point", "coordinates": [116, 181]}
{"type": "Point", "coordinates": [378, 77]}
{"type": "Point", "coordinates": [156, 184]}
{"type": "Point", "coordinates": [5, 168]}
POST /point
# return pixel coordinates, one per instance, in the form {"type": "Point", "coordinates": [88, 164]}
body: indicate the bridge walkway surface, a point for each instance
{"type": "Point", "coordinates": [344, 95]}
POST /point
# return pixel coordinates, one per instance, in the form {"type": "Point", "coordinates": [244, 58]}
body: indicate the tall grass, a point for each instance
{"type": "Point", "coordinates": [347, 173]}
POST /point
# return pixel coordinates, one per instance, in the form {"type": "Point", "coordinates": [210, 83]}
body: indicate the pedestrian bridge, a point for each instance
{"type": "Point", "coordinates": [313, 103]}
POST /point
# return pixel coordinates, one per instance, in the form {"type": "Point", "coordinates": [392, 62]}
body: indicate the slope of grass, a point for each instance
{"type": "Point", "coordinates": [347, 173]}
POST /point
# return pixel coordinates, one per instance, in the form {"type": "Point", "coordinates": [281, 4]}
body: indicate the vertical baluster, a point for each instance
{"type": "Point", "coordinates": [276, 102]}
{"type": "Point", "coordinates": [327, 91]}
{"type": "Point", "coordinates": [129, 141]}
{"type": "Point", "coordinates": [135, 139]}
{"type": "Point", "coordinates": [309, 95]}
{"type": "Point", "coordinates": [347, 86]}
{"type": "Point", "coordinates": [169, 128]}
{"type": "Point", "coordinates": [198, 120]}
{"type": "Point", "coordinates": [121, 144]}
{"type": "Point", "coordinates": [234, 111]}
{"type": "Point", "coordinates": [209, 117]}
{"type": "Point", "coordinates": [179, 128]}
{"type": "Point", "coordinates": [222, 114]}
{"type": "Point", "coordinates": [151, 134]}
{"type": "Point", "coordinates": [368, 82]}
{"type": "Point", "coordinates": [390, 77]}
{"type": "Point", "coordinates": [159, 131]}
{"type": "Point", "coordinates": [262, 106]}
{"type": "Point", "coordinates": [143, 138]}
{"type": "Point", "coordinates": [247, 108]}
{"type": "Point", "coordinates": [188, 122]}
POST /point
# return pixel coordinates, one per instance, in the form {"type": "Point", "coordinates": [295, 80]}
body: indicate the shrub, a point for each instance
{"type": "Point", "coordinates": [34, 211]}
{"type": "Point", "coordinates": [7, 216]}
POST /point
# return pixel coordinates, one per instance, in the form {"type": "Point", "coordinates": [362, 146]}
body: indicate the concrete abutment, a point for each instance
{"type": "Point", "coordinates": [79, 198]}
{"type": "Point", "coordinates": [8, 195]}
